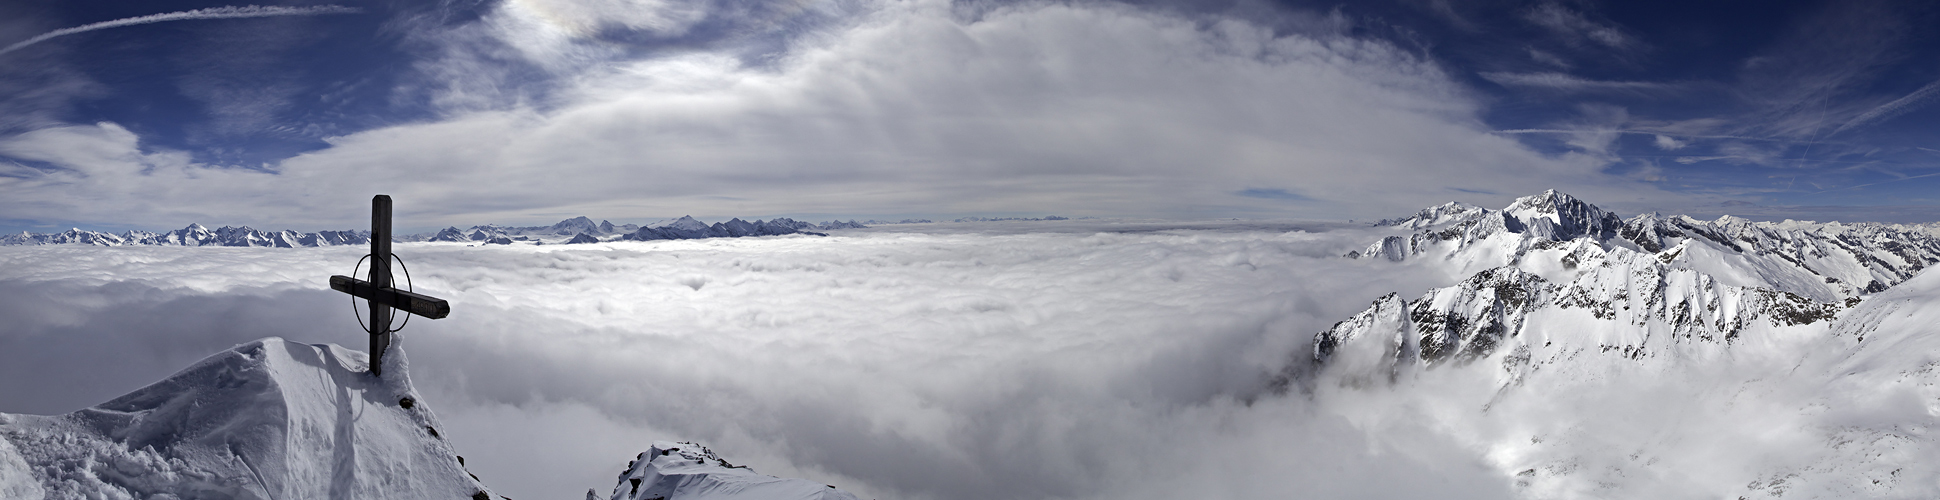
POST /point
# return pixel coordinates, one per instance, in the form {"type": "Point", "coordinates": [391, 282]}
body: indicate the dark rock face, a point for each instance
{"type": "Point", "coordinates": [583, 238]}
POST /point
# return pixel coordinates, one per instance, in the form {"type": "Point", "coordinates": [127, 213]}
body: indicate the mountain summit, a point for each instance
{"type": "Point", "coordinates": [1826, 262]}
{"type": "Point", "coordinates": [266, 419]}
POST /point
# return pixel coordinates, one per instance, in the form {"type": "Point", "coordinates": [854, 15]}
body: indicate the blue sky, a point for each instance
{"type": "Point", "coordinates": [291, 115]}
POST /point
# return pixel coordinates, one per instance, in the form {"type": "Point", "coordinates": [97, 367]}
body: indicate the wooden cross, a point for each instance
{"type": "Point", "coordinates": [378, 291]}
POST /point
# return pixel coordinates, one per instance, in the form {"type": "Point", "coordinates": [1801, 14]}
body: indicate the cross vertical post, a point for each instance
{"type": "Point", "coordinates": [380, 277]}
{"type": "Point", "coordinates": [385, 300]}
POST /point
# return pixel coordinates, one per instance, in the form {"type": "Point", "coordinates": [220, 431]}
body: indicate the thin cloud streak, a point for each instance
{"type": "Point", "coordinates": [226, 12]}
{"type": "Point", "coordinates": [1563, 81]}
{"type": "Point", "coordinates": [1893, 109]}
{"type": "Point", "coordinates": [1520, 131]}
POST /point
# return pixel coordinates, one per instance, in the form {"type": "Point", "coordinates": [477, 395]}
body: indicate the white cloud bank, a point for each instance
{"type": "Point", "coordinates": [982, 364]}
{"type": "Point", "coordinates": [901, 108]}
{"type": "Point", "coordinates": [895, 365]}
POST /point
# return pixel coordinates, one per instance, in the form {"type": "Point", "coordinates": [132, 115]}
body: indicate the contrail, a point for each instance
{"type": "Point", "coordinates": [1893, 109]}
{"type": "Point", "coordinates": [1644, 132]}
{"type": "Point", "coordinates": [230, 12]}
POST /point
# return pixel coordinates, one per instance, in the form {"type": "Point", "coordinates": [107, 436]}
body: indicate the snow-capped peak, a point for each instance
{"type": "Point", "coordinates": [1438, 215]}
{"type": "Point", "coordinates": [1618, 301]}
{"type": "Point", "coordinates": [1558, 216]}
{"type": "Point", "coordinates": [1826, 262]}
{"type": "Point", "coordinates": [266, 419]}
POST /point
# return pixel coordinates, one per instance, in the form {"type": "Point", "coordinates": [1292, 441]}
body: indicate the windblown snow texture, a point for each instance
{"type": "Point", "coordinates": [269, 419]}
{"type": "Point", "coordinates": [689, 471]}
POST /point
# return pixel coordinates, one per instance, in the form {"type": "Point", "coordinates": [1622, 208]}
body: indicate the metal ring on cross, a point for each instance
{"type": "Point", "coordinates": [408, 286]}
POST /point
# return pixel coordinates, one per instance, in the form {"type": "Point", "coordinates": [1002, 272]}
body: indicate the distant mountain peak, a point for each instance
{"type": "Point", "coordinates": [1824, 261]}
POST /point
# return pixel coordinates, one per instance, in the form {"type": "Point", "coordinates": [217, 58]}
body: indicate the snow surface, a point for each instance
{"type": "Point", "coordinates": [689, 471]}
{"type": "Point", "coordinates": [268, 419]}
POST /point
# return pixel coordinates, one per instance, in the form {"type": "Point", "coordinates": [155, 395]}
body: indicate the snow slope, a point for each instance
{"type": "Point", "coordinates": [689, 471]}
{"type": "Point", "coordinates": [1590, 372]}
{"type": "Point", "coordinates": [266, 419]}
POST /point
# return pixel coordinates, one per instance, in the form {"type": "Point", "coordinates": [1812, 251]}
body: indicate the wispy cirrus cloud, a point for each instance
{"type": "Point", "coordinates": [227, 12]}
{"type": "Point", "coordinates": [1572, 83]}
{"type": "Point", "coordinates": [1576, 27]}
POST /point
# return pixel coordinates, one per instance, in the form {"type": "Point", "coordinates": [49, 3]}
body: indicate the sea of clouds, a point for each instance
{"type": "Point", "coordinates": [1077, 359]}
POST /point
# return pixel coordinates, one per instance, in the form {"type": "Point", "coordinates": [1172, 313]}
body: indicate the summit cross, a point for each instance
{"type": "Point", "coordinates": [379, 292]}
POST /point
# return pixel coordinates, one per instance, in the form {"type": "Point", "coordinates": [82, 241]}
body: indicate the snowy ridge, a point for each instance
{"type": "Point", "coordinates": [687, 228]}
{"type": "Point", "coordinates": [575, 230]}
{"type": "Point", "coordinates": [1824, 261]}
{"type": "Point", "coordinates": [193, 236]}
{"type": "Point", "coordinates": [1445, 213]}
{"type": "Point", "coordinates": [1618, 301]}
{"type": "Point", "coordinates": [689, 471]}
{"type": "Point", "coordinates": [1582, 397]}
{"type": "Point", "coordinates": [1592, 359]}
{"type": "Point", "coordinates": [266, 419]}
{"type": "Point", "coordinates": [582, 230]}
{"type": "Point", "coordinates": [502, 235]}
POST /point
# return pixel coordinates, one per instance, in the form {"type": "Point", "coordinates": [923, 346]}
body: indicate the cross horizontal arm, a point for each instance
{"type": "Point", "coordinates": [426, 306]}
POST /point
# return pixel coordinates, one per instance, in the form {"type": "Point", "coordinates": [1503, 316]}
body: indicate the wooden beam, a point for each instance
{"type": "Point", "coordinates": [426, 306]}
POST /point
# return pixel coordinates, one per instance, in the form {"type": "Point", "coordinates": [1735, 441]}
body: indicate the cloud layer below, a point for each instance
{"type": "Point", "coordinates": [1076, 359]}
{"type": "Point", "coordinates": [907, 365]}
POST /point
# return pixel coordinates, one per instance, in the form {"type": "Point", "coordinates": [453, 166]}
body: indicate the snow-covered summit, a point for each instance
{"type": "Point", "coordinates": [1435, 216]}
{"type": "Point", "coordinates": [1619, 301]}
{"type": "Point", "coordinates": [195, 235]}
{"type": "Point", "coordinates": [1558, 216]}
{"type": "Point", "coordinates": [689, 471]}
{"type": "Point", "coordinates": [688, 228]}
{"type": "Point", "coordinates": [269, 419]}
{"type": "Point", "coordinates": [1823, 261]}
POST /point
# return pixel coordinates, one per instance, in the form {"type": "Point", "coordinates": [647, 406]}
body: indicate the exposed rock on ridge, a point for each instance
{"type": "Point", "coordinates": [689, 471]}
{"type": "Point", "coordinates": [1619, 301]}
{"type": "Point", "coordinates": [1827, 262]}
{"type": "Point", "coordinates": [687, 228]}
{"type": "Point", "coordinates": [193, 236]}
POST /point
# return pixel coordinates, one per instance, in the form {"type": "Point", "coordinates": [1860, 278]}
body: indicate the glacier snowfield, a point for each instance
{"type": "Point", "coordinates": [1070, 359]}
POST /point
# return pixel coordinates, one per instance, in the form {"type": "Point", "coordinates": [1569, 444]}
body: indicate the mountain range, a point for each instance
{"type": "Point", "coordinates": [571, 231]}
{"type": "Point", "coordinates": [1561, 305]}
